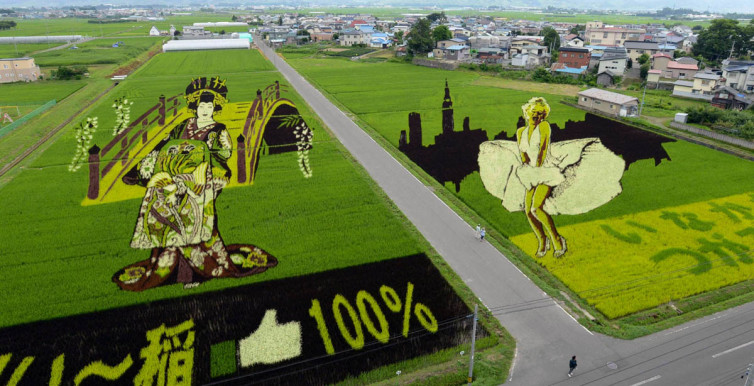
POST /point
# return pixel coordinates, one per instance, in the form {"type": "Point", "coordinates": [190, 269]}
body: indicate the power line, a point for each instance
{"type": "Point", "coordinates": [638, 353]}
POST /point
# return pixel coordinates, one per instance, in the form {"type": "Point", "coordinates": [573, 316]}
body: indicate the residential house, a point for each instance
{"type": "Point", "coordinates": [635, 49]}
{"type": "Point", "coordinates": [705, 83]}
{"type": "Point", "coordinates": [677, 70]}
{"type": "Point", "coordinates": [688, 43]}
{"type": "Point", "coordinates": [607, 78]}
{"type": "Point", "coordinates": [405, 27]}
{"type": "Point", "coordinates": [537, 55]}
{"type": "Point", "coordinates": [352, 36]}
{"type": "Point", "coordinates": [457, 52]}
{"type": "Point", "coordinates": [167, 32]}
{"type": "Point", "coordinates": [667, 48]}
{"type": "Point", "coordinates": [660, 61]}
{"type": "Point", "coordinates": [193, 31]}
{"type": "Point", "coordinates": [729, 98]}
{"type": "Point", "coordinates": [356, 24]}
{"type": "Point", "coordinates": [519, 60]}
{"type": "Point", "coordinates": [517, 43]}
{"type": "Point", "coordinates": [574, 57]}
{"type": "Point", "coordinates": [653, 76]}
{"type": "Point", "coordinates": [365, 28]}
{"type": "Point", "coordinates": [491, 55]}
{"type": "Point", "coordinates": [608, 102]}
{"type": "Point", "coordinates": [478, 42]}
{"type": "Point", "coordinates": [380, 40]}
{"type": "Point", "coordinates": [573, 40]}
{"type": "Point", "coordinates": [683, 88]}
{"type": "Point", "coordinates": [321, 36]}
{"type": "Point", "coordinates": [612, 36]}
{"type": "Point", "coordinates": [19, 70]}
{"type": "Point", "coordinates": [687, 60]}
{"type": "Point", "coordinates": [596, 54]}
{"type": "Point", "coordinates": [739, 74]}
{"type": "Point", "coordinates": [613, 59]}
{"type": "Point", "coordinates": [563, 69]}
{"type": "Point", "coordinates": [442, 44]}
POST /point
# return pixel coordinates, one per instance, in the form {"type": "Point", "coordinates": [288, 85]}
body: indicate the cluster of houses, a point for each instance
{"type": "Point", "coordinates": [613, 52]}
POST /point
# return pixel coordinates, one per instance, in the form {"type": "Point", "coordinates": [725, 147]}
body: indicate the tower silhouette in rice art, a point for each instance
{"type": "Point", "coordinates": [453, 155]}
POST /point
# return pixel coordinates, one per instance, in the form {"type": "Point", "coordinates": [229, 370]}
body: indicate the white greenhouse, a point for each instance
{"type": "Point", "coordinates": [39, 39]}
{"type": "Point", "coordinates": [221, 24]}
{"type": "Point", "coordinates": [208, 44]}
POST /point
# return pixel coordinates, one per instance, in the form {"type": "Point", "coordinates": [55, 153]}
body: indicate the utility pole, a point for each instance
{"type": "Point", "coordinates": [732, 46]}
{"type": "Point", "coordinates": [473, 345]}
{"type": "Point", "coordinates": [641, 107]}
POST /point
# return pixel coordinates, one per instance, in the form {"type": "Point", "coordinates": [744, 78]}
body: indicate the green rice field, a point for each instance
{"type": "Point", "coordinates": [21, 50]}
{"type": "Point", "coordinates": [38, 92]}
{"type": "Point", "coordinates": [60, 255]}
{"type": "Point", "coordinates": [695, 179]}
{"type": "Point", "coordinates": [79, 26]}
{"type": "Point", "coordinates": [97, 51]}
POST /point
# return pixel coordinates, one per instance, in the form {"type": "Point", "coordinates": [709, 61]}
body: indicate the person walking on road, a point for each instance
{"type": "Point", "coordinates": [478, 230]}
{"type": "Point", "coordinates": [482, 233]}
{"type": "Point", "coordinates": [572, 365]}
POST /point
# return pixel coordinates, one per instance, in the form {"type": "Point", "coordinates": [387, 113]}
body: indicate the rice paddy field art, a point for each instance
{"type": "Point", "coordinates": [679, 226]}
{"type": "Point", "coordinates": [196, 216]}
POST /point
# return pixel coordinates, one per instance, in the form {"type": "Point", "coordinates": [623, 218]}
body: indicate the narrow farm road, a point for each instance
{"type": "Point", "coordinates": [545, 334]}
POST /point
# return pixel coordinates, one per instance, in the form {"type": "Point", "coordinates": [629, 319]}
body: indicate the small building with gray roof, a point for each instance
{"type": "Point", "coordinates": [610, 103]}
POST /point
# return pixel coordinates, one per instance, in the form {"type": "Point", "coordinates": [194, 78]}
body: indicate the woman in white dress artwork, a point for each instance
{"type": "Point", "coordinates": [544, 179]}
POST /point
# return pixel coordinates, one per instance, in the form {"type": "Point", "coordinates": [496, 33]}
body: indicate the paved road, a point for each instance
{"type": "Point", "coordinates": [546, 335]}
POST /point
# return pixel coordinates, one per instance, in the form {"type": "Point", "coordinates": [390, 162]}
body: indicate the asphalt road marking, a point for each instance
{"type": "Point", "coordinates": [695, 324]}
{"type": "Point", "coordinates": [733, 349]}
{"type": "Point", "coordinates": [571, 316]}
{"type": "Point", "coordinates": [644, 382]}
{"type": "Point", "coordinates": [513, 365]}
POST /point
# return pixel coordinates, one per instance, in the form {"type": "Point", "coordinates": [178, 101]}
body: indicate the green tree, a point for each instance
{"type": "Point", "coordinates": [577, 28]}
{"type": "Point", "coordinates": [420, 39]}
{"type": "Point", "coordinates": [234, 18]}
{"type": "Point", "coordinates": [398, 37]}
{"type": "Point", "coordinates": [74, 72]}
{"type": "Point", "coordinates": [441, 32]}
{"type": "Point", "coordinates": [7, 24]}
{"type": "Point", "coordinates": [644, 70]}
{"type": "Point", "coordinates": [551, 40]}
{"type": "Point", "coordinates": [437, 17]}
{"type": "Point", "coordinates": [280, 20]}
{"type": "Point", "coordinates": [335, 36]}
{"type": "Point", "coordinates": [715, 42]}
{"type": "Point", "coordinates": [222, 32]}
{"type": "Point", "coordinates": [643, 59]}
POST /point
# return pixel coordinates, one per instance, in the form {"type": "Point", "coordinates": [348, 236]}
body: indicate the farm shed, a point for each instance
{"type": "Point", "coordinates": [609, 102]}
{"type": "Point", "coordinates": [199, 45]}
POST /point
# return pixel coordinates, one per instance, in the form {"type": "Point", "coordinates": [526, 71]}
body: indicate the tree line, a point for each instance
{"type": "Point", "coordinates": [725, 38]}
{"type": "Point", "coordinates": [7, 24]}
